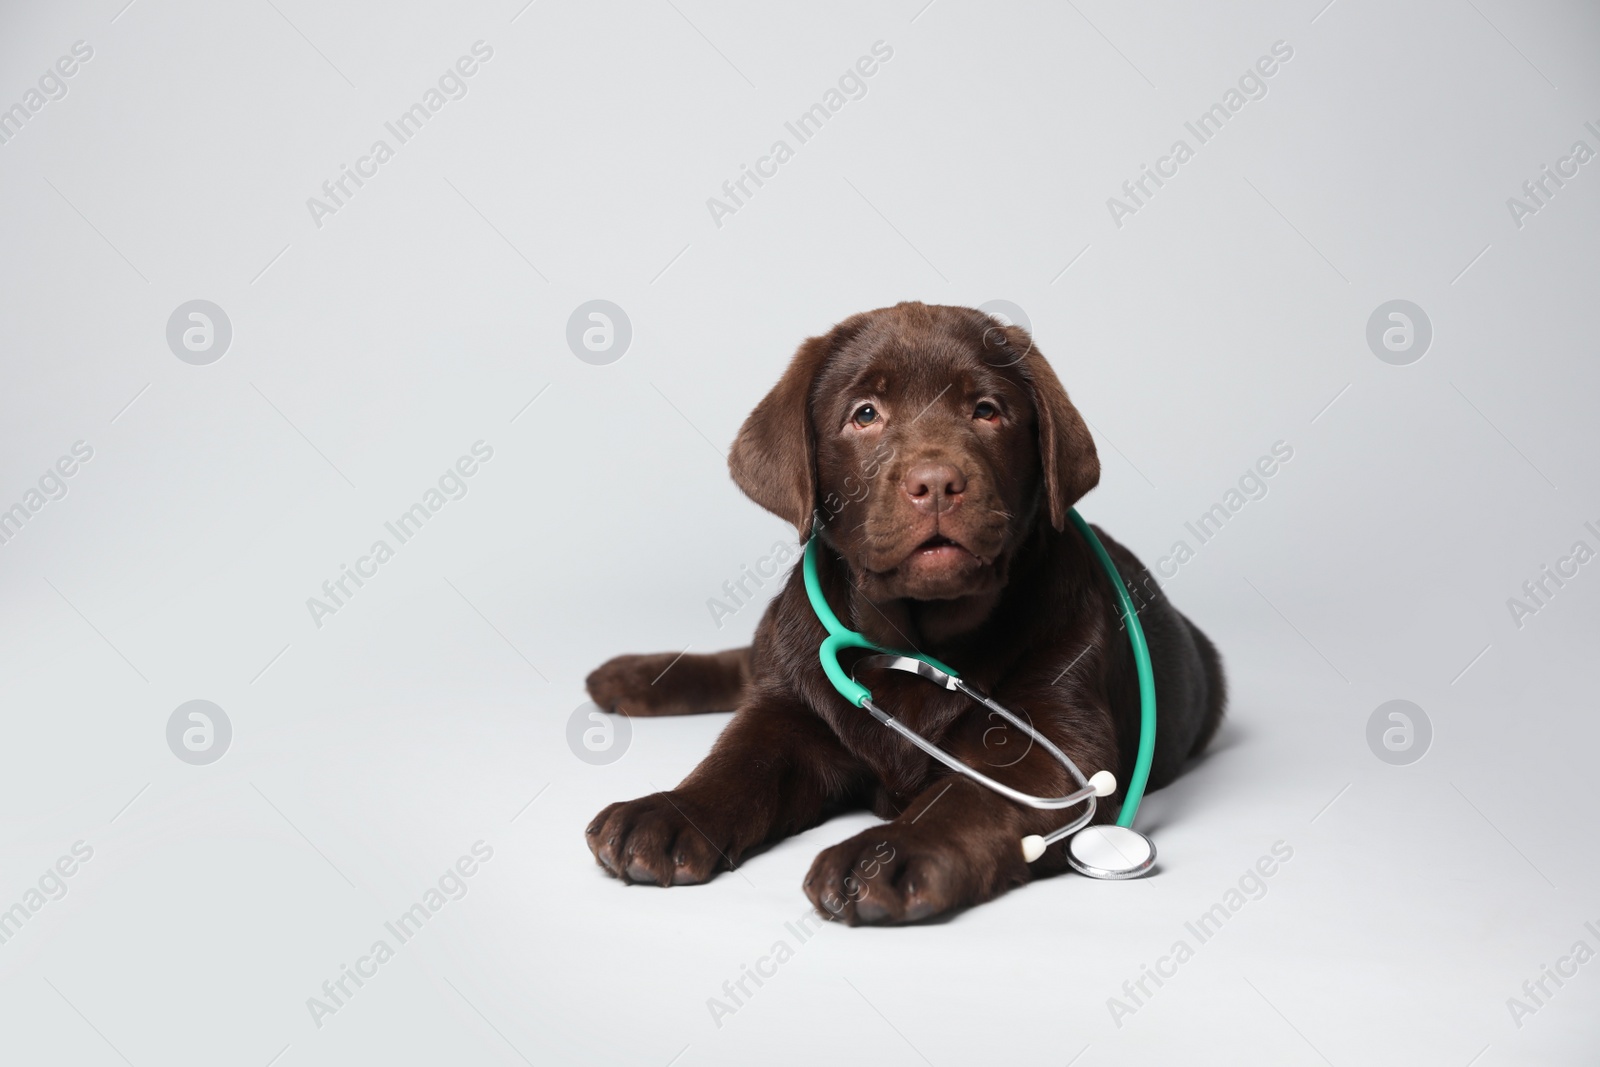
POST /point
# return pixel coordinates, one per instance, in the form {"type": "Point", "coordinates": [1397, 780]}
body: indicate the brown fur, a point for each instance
{"type": "Point", "coordinates": [1018, 604]}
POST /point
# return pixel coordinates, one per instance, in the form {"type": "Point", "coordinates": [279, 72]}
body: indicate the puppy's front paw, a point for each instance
{"type": "Point", "coordinates": [656, 839]}
{"type": "Point", "coordinates": [626, 684]}
{"type": "Point", "coordinates": [895, 874]}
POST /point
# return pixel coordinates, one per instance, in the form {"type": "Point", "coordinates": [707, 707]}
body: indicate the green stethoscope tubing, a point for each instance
{"type": "Point", "coordinates": [841, 637]}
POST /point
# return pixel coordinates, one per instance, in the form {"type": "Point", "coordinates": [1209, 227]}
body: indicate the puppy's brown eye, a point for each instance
{"type": "Point", "coordinates": [985, 410]}
{"type": "Point", "coordinates": [865, 415]}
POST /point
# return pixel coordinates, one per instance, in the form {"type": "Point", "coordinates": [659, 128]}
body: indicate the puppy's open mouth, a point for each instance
{"type": "Point", "coordinates": [938, 541]}
{"type": "Point", "coordinates": [939, 552]}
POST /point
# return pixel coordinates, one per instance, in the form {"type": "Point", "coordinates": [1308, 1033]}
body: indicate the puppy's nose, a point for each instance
{"type": "Point", "coordinates": [937, 486]}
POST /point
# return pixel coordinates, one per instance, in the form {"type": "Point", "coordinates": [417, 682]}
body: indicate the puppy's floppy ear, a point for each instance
{"type": "Point", "coordinates": [1067, 456]}
{"type": "Point", "coordinates": [774, 457]}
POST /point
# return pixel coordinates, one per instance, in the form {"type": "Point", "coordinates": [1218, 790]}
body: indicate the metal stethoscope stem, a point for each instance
{"type": "Point", "coordinates": [1102, 783]}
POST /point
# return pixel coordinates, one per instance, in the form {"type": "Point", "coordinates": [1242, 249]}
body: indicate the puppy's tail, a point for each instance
{"type": "Point", "coordinates": [1216, 697]}
{"type": "Point", "coordinates": [669, 683]}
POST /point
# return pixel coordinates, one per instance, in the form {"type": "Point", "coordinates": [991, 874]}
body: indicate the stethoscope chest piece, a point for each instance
{"type": "Point", "coordinates": [1111, 852]}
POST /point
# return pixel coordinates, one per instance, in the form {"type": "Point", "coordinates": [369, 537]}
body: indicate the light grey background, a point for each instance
{"type": "Point", "coordinates": [369, 353]}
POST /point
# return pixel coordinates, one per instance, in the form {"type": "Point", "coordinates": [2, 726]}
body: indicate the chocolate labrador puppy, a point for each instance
{"type": "Point", "coordinates": [935, 454]}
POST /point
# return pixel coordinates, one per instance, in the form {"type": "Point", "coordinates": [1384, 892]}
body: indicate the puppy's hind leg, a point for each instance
{"type": "Point", "coordinates": [666, 683]}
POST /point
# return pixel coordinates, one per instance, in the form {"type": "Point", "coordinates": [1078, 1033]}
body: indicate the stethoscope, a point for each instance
{"type": "Point", "coordinates": [1105, 851]}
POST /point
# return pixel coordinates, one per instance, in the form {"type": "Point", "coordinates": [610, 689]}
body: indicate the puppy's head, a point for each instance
{"type": "Point", "coordinates": [926, 441]}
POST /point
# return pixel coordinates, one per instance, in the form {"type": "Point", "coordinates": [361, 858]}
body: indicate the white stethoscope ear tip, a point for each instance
{"type": "Point", "coordinates": [1032, 847]}
{"type": "Point", "coordinates": [1104, 783]}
